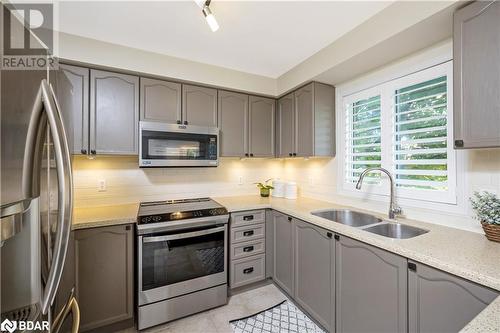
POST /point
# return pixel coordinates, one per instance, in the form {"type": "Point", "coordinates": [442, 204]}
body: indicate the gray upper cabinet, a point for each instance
{"type": "Point", "coordinates": [476, 62]}
{"type": "Point", "coordinates": [306, 122]}
{"type": "Point", "coordinates": [160, 100]}
{"type": "Point", "coordinates": [286, 126]}
{"type": "Point", "coordinates": [233, 124]}
{"type": "Point", "coordinates": [73, 93]}
{"type": "Point", "coordinates": [199, 106]}
{"type": "Point", "coordinates": [314, 272]}
{"type": "Point", "coordinates": [283, 252]}
{"type": "Point", "coordinates": [114, 113]}
{"type": "Point", "coordinates": [261, 126]}
{"type": "Point", "coordinates": [371, 288]}
{"type": "Point", "coordinates": [104, 273]}
{"type": "Point", "coordinates": [440, 302]}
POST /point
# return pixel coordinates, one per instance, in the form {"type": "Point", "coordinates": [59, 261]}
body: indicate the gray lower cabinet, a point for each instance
{"type": "Point", "coordinates": [233, 124]}
{"type": "Point", "coordinates": [114, 113]}
{"type": "Point", "coordinates": [283, 270]}
{"type": "Point", "coordinates": [314, 272]}
{"type": "Point", "coordinates": [160, 100]}
{"type": "Point", "coordinates": [261, 127]}
{"type": "Point", "coordinates": [476, 62]}
{"type": "Point", "coordinates": [72, 94]}
{"type": "Point", "coordinates": [104, 275]}
{"type": "Point", "coordinates": [371, 288]}
{"type": "Point", "coordinates": [440, 302]}
{"type": "Point", "coordinates": [199, 106]}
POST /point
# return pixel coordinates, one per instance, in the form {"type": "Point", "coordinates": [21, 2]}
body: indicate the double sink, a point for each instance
{"type": "Point", "coordinates": [370, 223]}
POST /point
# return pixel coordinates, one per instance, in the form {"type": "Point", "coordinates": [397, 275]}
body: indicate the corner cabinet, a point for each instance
{"type": "Point", "coordinates": [261, 126]}
{"type": "Point", "coordinates": [440, 302]}
{"type": "Point", "coordinates": [476, 62]}
{"type": "Point", "coordinates": [160, 101]}
{"type": "Point", "coordinates": [371, 288]}
{"type": "Point", "coordinates": [104, 276]}
{"type": "Point", "coordinates": [306, 122]}
{"type": "Point", "coordinates": [199, 106]}
{"type": "Point", "coordinates": [283, 270]}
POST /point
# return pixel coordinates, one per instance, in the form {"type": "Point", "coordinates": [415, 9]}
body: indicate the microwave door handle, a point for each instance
{"type": "Point", "coordinates": [156, 239]}
{"type": "Point", "coordinates": [65, 194]}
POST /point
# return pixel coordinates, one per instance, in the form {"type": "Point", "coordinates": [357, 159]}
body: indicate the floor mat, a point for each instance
{"type": "Point", "coordinates": [284, 317]}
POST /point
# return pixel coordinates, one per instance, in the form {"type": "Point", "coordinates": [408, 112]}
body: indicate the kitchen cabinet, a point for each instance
{"type": "Point", "coordinates": [261, 126]}
{"type": "Point", "coordinates": [440, 302]}
{"type": "Point", "coordinates": [371, 288]}
{"type": "Point", "coordinates": [199, 106]}
{"type": "Point", "coordinates": [476, 75]}
{"type": "Point", "coordinates": [269, 243]}
{"type": "Point", "coordinates": [114, 113]}
{"type": "Point", "coordinates": [160, 101]}
{"type": "Point", "coordinates": [72, 93]}
{"type": "Point", "coordinates": [314, 272]}
{"type": "Point", "coordinates": [104, 276]}
{"type": "Point", "coordinates": [306, 122]}
{"type": "Point", "coordinates": [283, 261]}
{"type": "Point", "coordinates": [233, 124]}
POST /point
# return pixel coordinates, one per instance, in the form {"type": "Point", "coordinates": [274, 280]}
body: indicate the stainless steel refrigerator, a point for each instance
{"type": "Point", "coordinates": [36, 200]}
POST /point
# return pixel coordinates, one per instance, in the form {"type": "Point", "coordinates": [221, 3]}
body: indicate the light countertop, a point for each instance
{"type": "Point", "coordinates": [462, 253]}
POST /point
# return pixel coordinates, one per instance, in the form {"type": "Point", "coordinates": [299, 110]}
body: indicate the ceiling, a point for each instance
{"type": "Point", "coordinates": [259, 37]}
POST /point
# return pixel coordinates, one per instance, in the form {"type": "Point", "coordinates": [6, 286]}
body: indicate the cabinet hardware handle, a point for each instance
{"type": "Point", "coordinates": [248, 249]}
{"type": "Point", "coordinates": [185, 122]}
{"type": "Point", "coordinates": [179, 122]}
{"type": "Point", "coordinates": [329, 235]}
{"type": "Point", "coordinates": [84, 151]}
{"type": "Point", "coordinates": [459, 143]}
{"type": "Point", "coordinates": [93, 152]}
{"type": "Point", "coordinates": [248, 233]}
{"type": "Point", "coordinates": [248, 218]}
{"type": "Point", "coordinates": [248, 270]}
{"type": "Point", "coordinates": [337, 237]}
{"type": "Point", "coordinates": [251, 154]}
{"type": "Point", "coordinates": [290, 218]}
{"type": "Point", "coordinates": [127, 227]}
{"type": "Point", "coordinates": [246, 154]}
{"type": "Point", "coordinates": [294, 154]}
{"type": "Point", "coordinates": [290, 154]}
{"type": "Point", "coordinates": [412, 266]}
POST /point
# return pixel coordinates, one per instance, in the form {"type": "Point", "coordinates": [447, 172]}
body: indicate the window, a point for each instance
{"type": "Point", "coordinates": [405, 126]}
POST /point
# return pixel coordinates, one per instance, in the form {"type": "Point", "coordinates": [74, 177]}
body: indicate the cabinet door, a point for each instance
{"type": "Point", "coordinates": [314, 271]}
{"type": "Point", "coordinates": [233, 124]}
{"type": "Point", "coordinates": [73, 97]}
{"type": "Point", "coordinates": [261, 126]}
{"type": "Point", "coordinates": [114, 113]}
{"type": "Point", "coordinates": [160, 100]}
{"type": "Point", "coordinates": [104, 271]}
{"type": "Point", "coordinates": [371, 288]}
{"type": "Point", "coordinates": [440, 302]}
{"type": "Point", "coordinates": [283, 252]}
{"type": "Point", "coordinates": [199, 106]}
{"type": "Point", "coordinates": [286, 126]}
{"type": "Point", "coordinates": [304, 120]}
{"type": "Point", "coordinates": [476, 53]}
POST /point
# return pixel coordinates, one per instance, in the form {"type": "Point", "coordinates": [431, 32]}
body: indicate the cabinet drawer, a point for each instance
{"type": "Point", "coordinates": [248, 217]}
{"type": "Point", "coordinates": [251, 232]}
{"type": "Point", "coordinates": [248, 270]}
{"type": "Point", "coordinates": [246, 249]}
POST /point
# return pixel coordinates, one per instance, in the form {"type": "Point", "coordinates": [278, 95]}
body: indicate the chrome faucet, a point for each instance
{"type": "Point", "coordinates": [393, 208]}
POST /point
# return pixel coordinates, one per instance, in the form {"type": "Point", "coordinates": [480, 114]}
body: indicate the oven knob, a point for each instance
{"type": "Point", "coordinates": [146, 219]}
{"type": "Point", "coordinates": [156, 218]}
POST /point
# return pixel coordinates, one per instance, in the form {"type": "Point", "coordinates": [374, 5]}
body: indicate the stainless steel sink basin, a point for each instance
{"type": "Point", "coordinates": [396, 230]}
{"type": "Point", "coordinates": [347, 217]}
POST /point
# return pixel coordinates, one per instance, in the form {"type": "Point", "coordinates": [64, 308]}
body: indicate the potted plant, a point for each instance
{"type": "Point", "coordinates": [486, 205]}
{"type": "Point", "coordinates": [264, 188]}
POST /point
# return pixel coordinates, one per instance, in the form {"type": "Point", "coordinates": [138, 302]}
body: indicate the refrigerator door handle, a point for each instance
{"type": "Point", "coordinates": [47, 102]}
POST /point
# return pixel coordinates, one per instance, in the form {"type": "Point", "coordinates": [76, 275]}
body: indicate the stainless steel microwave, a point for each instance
{"type": "Point", "coordinates": [174, 145]}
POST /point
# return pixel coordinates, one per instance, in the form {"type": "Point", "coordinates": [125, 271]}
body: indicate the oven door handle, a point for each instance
{"type": "Point", "coordinates": [182, 236]}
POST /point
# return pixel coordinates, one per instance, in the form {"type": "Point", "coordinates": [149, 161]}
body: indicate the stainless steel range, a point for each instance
{"type": "Point", "coordinates": [181, 259]}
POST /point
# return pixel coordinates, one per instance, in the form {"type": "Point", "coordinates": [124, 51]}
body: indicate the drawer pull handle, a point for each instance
{"type": "Point", "coordinates": [248, 270]}
{"type": "Point", "coordinates": [248, 249]}
{"type": "Point", "coordinates": [248, 218]}
{"type": "Point", "coordinates": [248, 233]}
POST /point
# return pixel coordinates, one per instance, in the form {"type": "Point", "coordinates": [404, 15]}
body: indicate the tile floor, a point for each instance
{"type": "Point", "coordinates": [217, 320]}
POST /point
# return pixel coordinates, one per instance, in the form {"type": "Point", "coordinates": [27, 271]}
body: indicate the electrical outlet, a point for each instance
{"type": "Point", "coordinates": [240, 180]}
{"type": "Point", "coordinates": [101, 185]}
{"type": "Point", "coordinates": [311, 180]}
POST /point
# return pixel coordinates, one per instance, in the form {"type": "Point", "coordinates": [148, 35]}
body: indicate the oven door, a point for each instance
{"type": "Point", "coordinates": [171, 145]}
{"type": "Point", "coordinates": [174, 264]}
